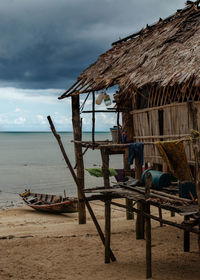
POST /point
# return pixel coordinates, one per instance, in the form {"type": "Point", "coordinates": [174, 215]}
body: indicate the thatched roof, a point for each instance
{"type": "Point", "coordinates": [165, 53]}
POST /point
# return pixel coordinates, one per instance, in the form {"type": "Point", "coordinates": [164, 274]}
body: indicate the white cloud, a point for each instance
{"type": "Point", "coordinates": [19, 121]}
{"type": "Point", "coordinates": [17, 110]}
{"type": "Point", "coordinates": [45, 96]}
{"type": "Point", "coordinates": [41, 119]}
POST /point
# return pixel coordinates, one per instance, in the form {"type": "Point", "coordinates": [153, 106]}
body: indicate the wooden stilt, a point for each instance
{"type": "Point", "coordinates": [192, 108]}
{"type": "Point", "coordinates": [129, 215]}
{"type": "Point", "coordinates": [105, 171]}
{"type": "Point", "coordinates": [186, 237]}
{"type": "Point", "coordinates": [140, 206]}
{"type": "Point", "coordinates": [79, 186]}
{"type": "Point", "coordinates": [165, 169]}
{"type": "Point", "coordinates": [118, 128]}
{"type": "Point", "coordinates": [93, 117]}
{"type": "Point", "coordinates": [78, 156]}
{"type": "Point", "coordinates": [140, 221]}
{"type": "Point", "coordinates": [129, 202]}
{"type": "Point", "coordinates": [107, 230]}
{"type": "Point", "coordinates": [160, 216]}
{"type": "Point", "coordinates": [148, 183]}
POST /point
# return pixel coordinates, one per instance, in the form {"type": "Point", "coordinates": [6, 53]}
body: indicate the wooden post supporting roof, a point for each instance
{"type": "Point", "coordinates": [105, 171]}
{"type": "Point", "coordinates": [76, 121]}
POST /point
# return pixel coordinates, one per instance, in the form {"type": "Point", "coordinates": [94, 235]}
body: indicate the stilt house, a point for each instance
{"type": "Point", "coordinates": [157, 71]}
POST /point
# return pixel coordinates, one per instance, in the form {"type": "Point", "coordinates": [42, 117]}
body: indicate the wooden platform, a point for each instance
{"type": "Point", "coordinates": [161, 199]}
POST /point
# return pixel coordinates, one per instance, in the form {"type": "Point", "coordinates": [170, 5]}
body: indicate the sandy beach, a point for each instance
{"type": "Point", "coordinates": [47, 246]}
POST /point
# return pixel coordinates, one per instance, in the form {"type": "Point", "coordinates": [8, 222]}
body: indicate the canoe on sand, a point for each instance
{"type": "Point", "coordinates": [50, 203]}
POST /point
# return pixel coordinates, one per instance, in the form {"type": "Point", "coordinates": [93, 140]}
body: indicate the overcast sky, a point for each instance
{"type": "Point", "coordinates": [46, 44]}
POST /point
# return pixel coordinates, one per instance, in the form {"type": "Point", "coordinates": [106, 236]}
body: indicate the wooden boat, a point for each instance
{"type": "Point", "coordinates": [50, 203]}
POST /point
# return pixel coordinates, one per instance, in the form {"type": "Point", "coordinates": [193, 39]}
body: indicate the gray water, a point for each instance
{"type": "Point", "coordinates": [33, 160]}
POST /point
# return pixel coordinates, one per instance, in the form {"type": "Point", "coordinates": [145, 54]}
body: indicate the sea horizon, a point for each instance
{"type": "Point", "coordinates": [49, 131]}
{"type": "Point", "coordinates": [33, 160]}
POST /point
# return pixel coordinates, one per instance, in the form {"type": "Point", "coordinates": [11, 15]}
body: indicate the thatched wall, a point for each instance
{"type": "Point", "coordinates": [170, 121]}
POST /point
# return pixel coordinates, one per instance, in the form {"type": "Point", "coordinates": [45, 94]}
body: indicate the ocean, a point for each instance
{"type": "Point", "coordinates": [32, 160]}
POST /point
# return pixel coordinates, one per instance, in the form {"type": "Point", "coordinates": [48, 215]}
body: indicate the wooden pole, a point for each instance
{"type": "Point", "coordinates": [106, 173]}
{"type": "Point", "coordinates": [140, 207]}
{"type": "Point", "coordinates": [76, 121]}
{"type": "Point", "coordinates": [118, 127]}
{"type": "Point", "coordinates": [107, 228]}
{"type": "Point", "coordinates": [160, 215]}
{"type": "Point", "coordinates": [192, 108]}
{"type": "Point", "coordinates": [196, 148]}
{"type": "Point", "coordinates": [79, 186]}
{"type": "Point", "coordinates": [129, 202]}
{"type": "Point", "coordinates": [148, 183]}
{"type": "Point", "coordinates": [93, 117]}
{"type": "Point", "coordinates": [165, 169]}
{"type": "Point", "coordinates": [186, 237]}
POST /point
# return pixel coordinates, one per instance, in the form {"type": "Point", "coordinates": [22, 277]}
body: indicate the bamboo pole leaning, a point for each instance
{"type": "Point", "coordinates": [58, 138]}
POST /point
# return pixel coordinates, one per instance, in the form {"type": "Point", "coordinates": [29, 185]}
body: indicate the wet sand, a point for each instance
{"type": "Point", "coordinates": [47, 247]}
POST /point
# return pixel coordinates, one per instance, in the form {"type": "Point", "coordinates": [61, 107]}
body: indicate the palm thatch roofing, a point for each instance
{"type": "Point", "coordinates": [166, 54]}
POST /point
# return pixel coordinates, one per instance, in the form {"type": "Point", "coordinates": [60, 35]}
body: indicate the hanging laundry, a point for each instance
{"type": "Point", "coordinates": [173, 153]}
{"type": "Point", "coordinates": [136, 150]}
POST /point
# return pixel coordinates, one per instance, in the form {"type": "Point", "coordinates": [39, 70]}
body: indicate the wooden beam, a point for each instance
{"type": "Point", "coordinates": [186, 237]}
{"type": "Point", "coordinates": [196, 149]}
{"type": "Point", "coordinates": [99, 111]}
{"type": "Point", "coordinates": [140, 206]}
{"type": "Point", "coordinates": [173, 224]}
{"type": "Point", "coordinates": [127, 170]}
{"type": "Point", "coordinates": [105, 172]}
{"type": "Point", "coordinates": [76, 121]}
{"type": "Point", "coordinates": [93, 117]}
{"type": "Point", "coordinates": [148, 183]}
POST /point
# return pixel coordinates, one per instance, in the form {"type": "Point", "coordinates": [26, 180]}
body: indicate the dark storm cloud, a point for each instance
{"type": "Point", "coordinates": [47, 43]}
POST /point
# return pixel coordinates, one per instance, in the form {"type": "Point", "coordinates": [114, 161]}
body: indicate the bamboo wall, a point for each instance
{"type": "Point", "coordinates": [170, 121]}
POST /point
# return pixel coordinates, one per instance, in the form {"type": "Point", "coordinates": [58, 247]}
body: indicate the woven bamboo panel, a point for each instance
{"type": "Point", "coordinates": [177, 120]}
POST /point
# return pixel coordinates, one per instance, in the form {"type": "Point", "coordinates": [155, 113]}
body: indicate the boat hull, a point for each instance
{"type": "Point", "coordinates": [50, 203]}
